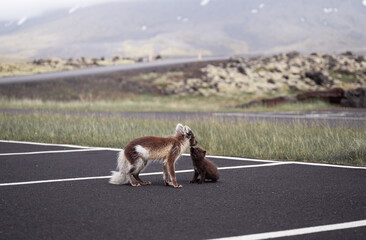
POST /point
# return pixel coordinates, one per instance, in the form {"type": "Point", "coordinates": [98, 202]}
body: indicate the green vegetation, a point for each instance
{"type": "Point", "coordinates": [161, 77]}
{"type": "Point", "coordinates": [23, 67]}
{"type": "Point", "coordinates": [296, 141]}
{"type": "Point", "coordinates": [265, 69]}
{"type": "Point", "coordinates": [160, 103]}
{"type": "Point", "coordinates": [344, 77]}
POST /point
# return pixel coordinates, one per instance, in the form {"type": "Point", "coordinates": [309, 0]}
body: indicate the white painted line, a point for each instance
{"type": "Point", "coordinates": [290, 162]}
{"type": "Point", "coordinates": [300, 231]}
{"type": "Point", "coordinates": [53, 181]}
{"type": "Point", "coordinates": [111, 149]}
{"type": "Point", "coordinates": [43, 144]}
{"type": "Point", "coordinates": [184, 154]}
{"type": "Point", "coordinates": [327, 165]}
{"type": "Point", "coordinates": [236, 158]}
{"type": "Point", "coordinates": [48, 152]}
{"type": "Point", "coordinates": [59, 145]}
{"type": "Point", "coordinates": [255, 166]}
{"type": "Point", "coordinates": [142, 174]}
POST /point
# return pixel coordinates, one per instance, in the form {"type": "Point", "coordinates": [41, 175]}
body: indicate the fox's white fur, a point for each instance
{"type": "Point", "coordinates": [136, 155]}
{"type": "Point", "coordinates": [122, 167]}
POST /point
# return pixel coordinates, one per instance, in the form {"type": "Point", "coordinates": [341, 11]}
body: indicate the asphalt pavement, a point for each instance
{"type": "Point", "coordinates": [62, 192]}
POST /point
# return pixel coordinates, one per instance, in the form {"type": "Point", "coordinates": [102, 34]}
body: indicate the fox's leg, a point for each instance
{"type": "Point", "coordinates": [171, 169]}
{"type": "Point", "coordinates": [203, 177]}
{"type": "Point", "coordinates": [140, 164]}
{"type": "Point", "coordinates": [132, 182]}
{"type": "Point", "coordinates": [137, 177]}
{"type": "Point", "coordinates": [194, 179]}
{"type": "Point", "coordinates": [135, 170]}
{"type": "Point", "coordinates": [166, 175]}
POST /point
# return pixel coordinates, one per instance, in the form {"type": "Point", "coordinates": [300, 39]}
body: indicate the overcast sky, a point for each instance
{"type": "Point", "coordinates": [16, 9]}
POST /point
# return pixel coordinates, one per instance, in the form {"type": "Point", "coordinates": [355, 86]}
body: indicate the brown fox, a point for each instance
{"type": "Point", "coordinates": [136, 155]}
{"type": "Point", "coordinates": [203, 166]}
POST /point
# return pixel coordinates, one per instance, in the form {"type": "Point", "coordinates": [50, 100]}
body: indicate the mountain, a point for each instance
{"type": "Point", "coordinates": [189, 27]}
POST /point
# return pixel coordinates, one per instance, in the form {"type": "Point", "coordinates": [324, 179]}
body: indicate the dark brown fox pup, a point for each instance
{"type": "Point", "coordinates": [203, 166]}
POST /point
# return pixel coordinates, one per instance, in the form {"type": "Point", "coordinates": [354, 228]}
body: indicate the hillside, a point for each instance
{"type": "Point", "coordinates": [188, 27]}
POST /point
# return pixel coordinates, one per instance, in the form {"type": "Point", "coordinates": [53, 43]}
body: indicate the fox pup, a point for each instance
{"type": "Point", "coordinates": [203, 166]}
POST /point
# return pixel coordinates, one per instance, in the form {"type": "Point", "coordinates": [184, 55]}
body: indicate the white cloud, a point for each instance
{"type": "Point", "coordinates": [16, 9]}
{"type": "Point", "coordinates": [327, 10]}
{"type": "Point", "coordinates": [331, 10]}
{"type": "Point", "coordinates": [74, 9]}
{"type": "Point", "coordinates": [204, 2]}
{"type": "Point", "coordinates": [364, 3]}
{"type": "Point", "coordinates": [22, 20]}
{"type": "Point", "coordinates": [256, 10]}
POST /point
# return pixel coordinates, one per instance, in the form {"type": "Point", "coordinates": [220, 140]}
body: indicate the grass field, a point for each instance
{"type": "Point", "coordinates": [160, 103]}
{"type": "Point", "coordinates": [264, 140]}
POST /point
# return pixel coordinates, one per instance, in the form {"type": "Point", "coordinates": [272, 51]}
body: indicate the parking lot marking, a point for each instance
{"type": "Point", "coordinates": [236, 158]}
{"type": "Point", "coordinates": [142, 174]}
{"type": "Point", "coordinates": [47, 152]}
{"type": "Point", "coordinates": [254, 166]}
{"type": "Point", "coordinates": [43, 144]}
{"type": "Point", "coordinates": [292, 162]}
{"type": "Point", "coordinates": [328, 165]}
{"type": "Point", "coordinates": [185, 154]}
{"type": "Point", "coordinates": [300, 231]}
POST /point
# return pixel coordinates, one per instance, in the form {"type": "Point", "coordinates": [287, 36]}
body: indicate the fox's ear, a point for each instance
{"type": "Point", "coordinates": [179, 128]}
{"type": "Point", "coordinates": [186, 130]}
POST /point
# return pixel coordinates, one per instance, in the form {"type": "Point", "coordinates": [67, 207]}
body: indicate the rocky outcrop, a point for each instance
{"type": "Point", "coordinates": [350, 98]}
{"type": "Point", "coordinates": [53, 64]}
{"type": "Point", "coordinates": [276, 75]}
{"type": "Point", "coordinates": [334, 96]}
{"type": "Point", "coordinates": [354, 98]}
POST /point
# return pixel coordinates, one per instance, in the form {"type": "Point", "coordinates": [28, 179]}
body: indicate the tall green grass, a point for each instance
{"type": "Point", "coordinates": [159, 103]}
{"type": "Point", "coordinates": [264, 140]}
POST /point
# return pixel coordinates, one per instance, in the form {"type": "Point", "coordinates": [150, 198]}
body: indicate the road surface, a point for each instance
{"type": "Point", "coordinates": [62, 192]}
{"type": "Point", "coordinates": [104, 70]}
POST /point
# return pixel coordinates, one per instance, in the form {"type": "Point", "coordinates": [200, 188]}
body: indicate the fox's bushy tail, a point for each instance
{"type": "Point", "coordinates": [120, 176]}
